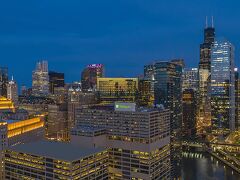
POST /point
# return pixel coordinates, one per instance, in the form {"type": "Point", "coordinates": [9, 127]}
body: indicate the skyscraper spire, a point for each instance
{"type": "Point", "coordinates": [212, 23]}
{"type": "Point", "coordinates": [206, 21]}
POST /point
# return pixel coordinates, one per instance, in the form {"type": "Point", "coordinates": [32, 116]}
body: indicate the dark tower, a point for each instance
{"type": "Point", "coordinates": [3, 81]}
{"type": "Point", "coordinates": [204, 111]}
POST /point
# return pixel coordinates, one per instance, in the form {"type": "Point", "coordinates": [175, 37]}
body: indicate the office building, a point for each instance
{"type": "Point", "coordinates": [12, 91]}
{"type": "Point", "coordinates": [56, 80]}
{"type": "Point", "coordinates": [13, 132]}
{"type": "Point", "coordinates": [222, 85]}
{"type": "Point", "coordinates": [111, 90]}
{"type": "Point", "coordinates": [57, 125]}
{"type": "Point", "coordinates": [77, 98]}
{"type": "Point", "coordinates": [189, 114]}
{"type": "Point", "coordinates": [6, 105]}
{"type": "Point", "coordinates": [3, 81]}
{"type": "Point", "coordinates": [40, 79]}
{"type": "Point", "coordinates": [167, 76]}
{"type": "Point", "coordinates": [145, 95]}
{"type": "Point", "coordinates": [138, 139]}
{"type": "Point", "coordinates": [55, 160]}
{"type": "Point", "coordinates": [237, 99]}
{"type": "Point", "coordinates": [90, 75]}
{"type": "Point", "coordinates": [204, 102]}
{"type": "Point", "coordinates": [190, 79]}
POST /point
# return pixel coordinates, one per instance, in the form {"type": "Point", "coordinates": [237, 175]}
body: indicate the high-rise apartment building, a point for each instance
{"type": "Point", "coordinates": [56, 80]}
{"type": "Point", "coordinates": [204, 70]}
{"type": "Point", "coordinates": [111, 90]}
{"type": "Point", "coordinates": [138, 139]}
{"type": "Point", "coordinates": [12, 91]}
{"type": "Point", "coordinates": [222, 85]}
{"type": "Point", "coordinates": [90, 75]}
{"type": "Point", "coordinates": [3, 81]}
{"type": "Point", "coordinates": [40, 79]}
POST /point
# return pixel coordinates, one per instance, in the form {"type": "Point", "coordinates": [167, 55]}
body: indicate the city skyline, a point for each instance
{"type": "Point", "coordinates": [137, 32]}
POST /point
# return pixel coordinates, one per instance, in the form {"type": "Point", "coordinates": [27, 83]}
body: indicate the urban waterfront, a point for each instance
{"type": "Point", "coordinates": [202, 166]}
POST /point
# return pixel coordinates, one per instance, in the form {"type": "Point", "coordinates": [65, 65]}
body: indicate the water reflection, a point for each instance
{"type": "Point", "coordinates": [202, 166]}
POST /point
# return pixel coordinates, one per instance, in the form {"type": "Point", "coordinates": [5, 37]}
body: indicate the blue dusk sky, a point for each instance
{"type": "Point", "coordinates": [121, 34]}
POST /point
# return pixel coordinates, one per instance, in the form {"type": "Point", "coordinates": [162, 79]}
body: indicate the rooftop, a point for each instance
{"type": "Point", "coordinates": [56, 150]}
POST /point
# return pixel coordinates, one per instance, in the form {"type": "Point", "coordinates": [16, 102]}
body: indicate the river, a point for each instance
{"type": "Point", "coordinates": [202, 166]}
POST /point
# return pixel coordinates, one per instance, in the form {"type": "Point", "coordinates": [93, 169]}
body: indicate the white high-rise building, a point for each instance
{"type": "Point", "coordinates": [12, 91]}
{"type": "Point", "coordinates": [40, 79]}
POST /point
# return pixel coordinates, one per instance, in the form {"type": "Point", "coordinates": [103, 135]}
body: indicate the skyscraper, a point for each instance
{"type": "Point", "coordinates": [167, 87]}
{"type": "Point", "coordinates": [40, 79]}
{"type": "Point", "coordinates": [204, 112]}
{"type": "Point", "coordinates": [167, 77]}
{"type": "Point", "coordinates": [189, 114]}
{"type": "Point", "coordinates": [3, 81]}
{"type": "Point", "coordinates": [237, 99]}
{"type": "Point", "coordinates": [56, 125]}
{"type": "Point", "coordinates": [190, 79]}
{"type": "Point", "coordinates": [222, 85]}
{"type": "Point", "coordinates": [56, 80]}
{"type": "Point", "coordinates": [12, 91]}
{"type": "Point", "coordinates": [90, 74]}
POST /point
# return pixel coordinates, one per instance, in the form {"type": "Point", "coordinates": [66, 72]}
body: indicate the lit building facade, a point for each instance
{"type": "Point", "coordinates": [3, 81]}
{"type": "Point", "coordinates": [204, 72]}
{"type": "Point", "coordinates": [167, 77]}
{"type": "Point", "coordinates": [12, 91]}
{"type": "Point", "coordinates": [223, 85]}
{"type": "Point", "coordinates": [6, 104]}
{"type": "Point", "coordinates": [55, 160]}
{"type": "Point", "coordinates": [90, 75]}
{"type": "Point", "coordinates": [237, 99]}
{"type": "Point", "coordinates": [56, 80]}
{"type": "Point", "coordinates": [77, 98]}
{"type": "Point", "coordinates": [111, 90]}
{"type": "Point", "coordinates": [145, 95]}
{"type": "Point", "coordinates": [15, 132]}
{"type": "Point", "coordinates": [138, 140]}
{"type": "Point", "coordinates": [40, 79]}
{"type": "Point", "coordinates": [190, 79]}
{"type": "Point", "coordinates": [57, 125]}
{"type": "Point", "coordinates": [189, 114]}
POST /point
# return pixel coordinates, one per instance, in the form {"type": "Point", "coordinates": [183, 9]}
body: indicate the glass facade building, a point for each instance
{"type": "Point", "coordinates": [190, 79]}
{"type": "Point", "coordinates": [204, 104]}
{"type": "Point", "coordinates": [90, 75]}
{"type": "Point", "coordinates": [117, 89]}
{"type": "Point", "coordinates": [167, 78]}
{"type": "Point", "coordinates": [56, 80]}
{"type": "Point", "coordinates": [40, 79]}
{"type": "Point", "coordinates": [223, 85]}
